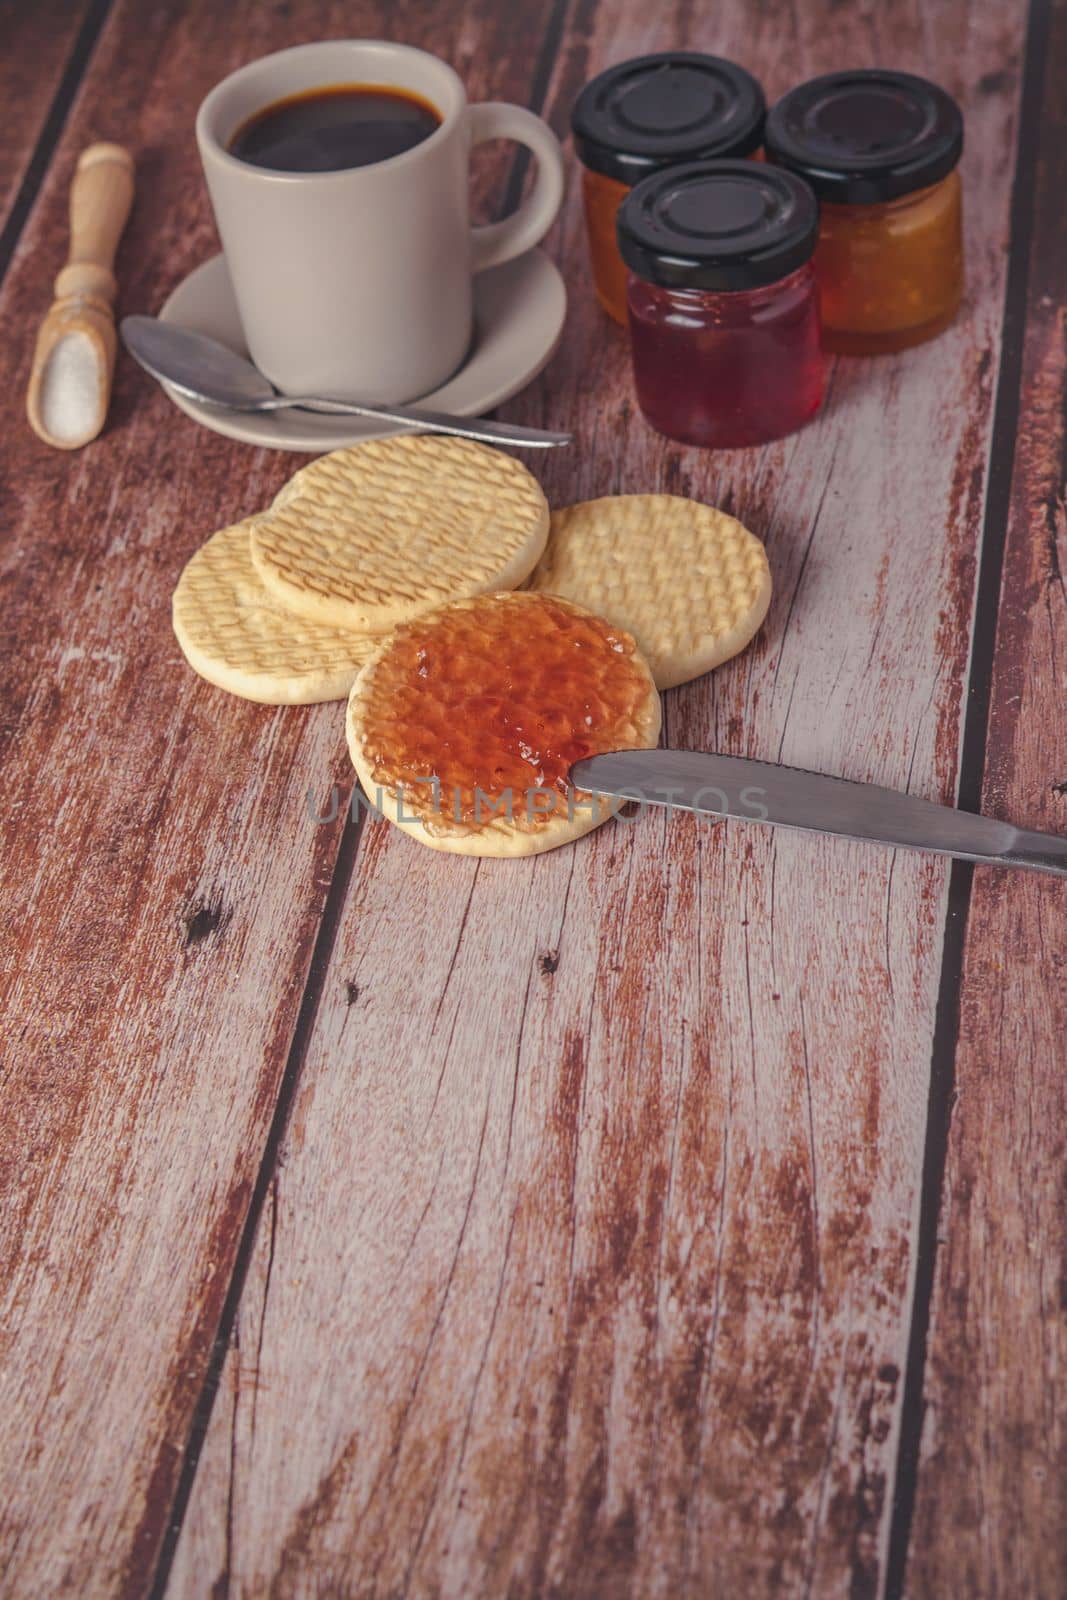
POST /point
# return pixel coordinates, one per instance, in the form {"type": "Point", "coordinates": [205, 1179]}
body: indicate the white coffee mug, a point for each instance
{"type": "Point", "coordinates": [357, 284]}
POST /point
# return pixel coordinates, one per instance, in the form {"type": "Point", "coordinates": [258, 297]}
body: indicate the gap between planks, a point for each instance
{"type": "Point", "coordinates": [978, 691]}
{"type": "Point", "coordinates": [51, 129]}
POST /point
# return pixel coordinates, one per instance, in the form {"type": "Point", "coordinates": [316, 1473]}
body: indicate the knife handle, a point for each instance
{"type": "Point", "coordinates": [763, 791]}
{"type": "Point", "coordinates": [1042, 852]}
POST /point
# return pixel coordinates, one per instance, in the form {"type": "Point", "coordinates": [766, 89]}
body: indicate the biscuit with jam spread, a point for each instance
{"type": "Point", "coordinates": [464, 725]}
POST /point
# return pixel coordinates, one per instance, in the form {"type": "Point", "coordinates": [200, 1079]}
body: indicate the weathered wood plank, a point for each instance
{"type": "Point", "coordinates": [37, 45]}
{"type": "Point", "coordinates": [588, 1260]}
{"type": "Point", "coordinates": [162, 887]}
{"type": "Point", "coordinates": [991, 1516]}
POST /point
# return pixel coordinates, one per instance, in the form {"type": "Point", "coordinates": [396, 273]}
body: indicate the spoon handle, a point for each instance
{"type": "Point", "coordinates": [427, 421]}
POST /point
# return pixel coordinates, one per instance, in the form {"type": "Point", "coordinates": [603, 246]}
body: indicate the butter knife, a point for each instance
{"type": "Point", "coordinates": [761, 791]}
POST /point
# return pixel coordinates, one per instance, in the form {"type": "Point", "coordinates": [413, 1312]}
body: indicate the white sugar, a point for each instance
{"type": "Point", "coordinates": [70, 389]}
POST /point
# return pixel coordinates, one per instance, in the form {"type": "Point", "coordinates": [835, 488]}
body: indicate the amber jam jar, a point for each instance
{"type": "Point", "coordinates": [652, 112]}
{"type": "Point", "coordinates": [880, 149]}
{"type": "Point", "coordinates": [724, 312]}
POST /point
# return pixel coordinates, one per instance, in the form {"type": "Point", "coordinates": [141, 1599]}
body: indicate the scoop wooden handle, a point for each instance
{"type": "Point", "coordinates": [100, 200]}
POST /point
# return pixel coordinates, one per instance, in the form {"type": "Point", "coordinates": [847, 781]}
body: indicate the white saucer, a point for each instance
{"type": "Point", "coordinates": [518, 315]}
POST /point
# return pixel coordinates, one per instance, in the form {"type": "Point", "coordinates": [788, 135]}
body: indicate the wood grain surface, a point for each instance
{"type": "Point", "coordinates": [586, 1265]}
{"type": "Point", "coordinates": [37, 44]}
{"type": "Point", "coordinates": [169, 888]}
{"type": "Point", "coordinates": [991, 1514]}
{"type": "Point", "coordinates": [381, 1223]}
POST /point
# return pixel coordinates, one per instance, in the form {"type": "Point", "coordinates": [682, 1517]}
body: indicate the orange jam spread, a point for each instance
{"type": "Point", "coordinates": [495, 698]}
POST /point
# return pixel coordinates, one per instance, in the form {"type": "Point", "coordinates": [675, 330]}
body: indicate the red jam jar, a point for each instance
{"type": "Point", "coordinates": [724, 311]}
{"type": "Point", "coordinates": [646, 114]}
{"type": "Point", "coordinates": [880, 149]}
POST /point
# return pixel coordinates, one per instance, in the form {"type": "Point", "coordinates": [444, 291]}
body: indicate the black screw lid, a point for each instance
{"type": "Point", "coordinates": [718, 225]}
{"type": "Point", "coordinates": [657, 110]}
{"type": "Point", "coordinates": [865, 136]}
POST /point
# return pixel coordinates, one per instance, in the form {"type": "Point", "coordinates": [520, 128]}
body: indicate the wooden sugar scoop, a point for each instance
{"type": "Point", "coordinates": [70, 385]}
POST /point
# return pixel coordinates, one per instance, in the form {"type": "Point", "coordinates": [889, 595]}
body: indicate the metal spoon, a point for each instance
{"type": "Point", "coordinates": [208, 371]}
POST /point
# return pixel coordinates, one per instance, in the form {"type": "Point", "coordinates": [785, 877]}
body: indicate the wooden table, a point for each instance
{"type": "Point", "coordinates": [677, 1214]}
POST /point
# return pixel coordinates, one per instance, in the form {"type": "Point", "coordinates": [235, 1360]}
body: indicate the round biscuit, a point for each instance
{"type": "Point", "coordinates": [691, 584]}
{"type": "Point", "coordinates": [369, 536]}
{"type": "Point", "coordinates": [497, 837]}
{"type": "Point", "coordinates": [234, 633]}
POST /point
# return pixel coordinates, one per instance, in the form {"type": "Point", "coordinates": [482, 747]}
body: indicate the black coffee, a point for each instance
{"type": "Point", "coordinates": [327, 130]}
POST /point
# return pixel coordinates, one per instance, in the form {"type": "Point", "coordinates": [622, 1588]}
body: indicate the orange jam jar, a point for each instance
{"type": "Point", "coordinates": [645, 114]}
{"type": "Point", "coordinates": [880, 149]}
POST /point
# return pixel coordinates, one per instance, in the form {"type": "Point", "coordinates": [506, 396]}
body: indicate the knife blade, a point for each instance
{"type": "Point", "coordinates": [789, 797]}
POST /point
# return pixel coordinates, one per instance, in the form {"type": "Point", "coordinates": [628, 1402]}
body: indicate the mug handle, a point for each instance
{"type": "Point", "coordinates": [501, 241]}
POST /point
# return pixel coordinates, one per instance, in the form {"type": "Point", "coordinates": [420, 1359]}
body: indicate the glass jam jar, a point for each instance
{"type": "Point", "coordinates": [645, 114]}
{"type": "Point", "coordinates": [880, 149]}
{"type": "Point", "coordinates": [724, 311]}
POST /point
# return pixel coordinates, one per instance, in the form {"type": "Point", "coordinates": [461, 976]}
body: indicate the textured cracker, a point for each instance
{"type": "Point", "coordinates": [690, 583]}
{"type": "Point", "coordinates": [237, 636]}
{"type": "Point", "coordinates": [372, 535]}
{"type": "Point", "coordinates": [496, 837]}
